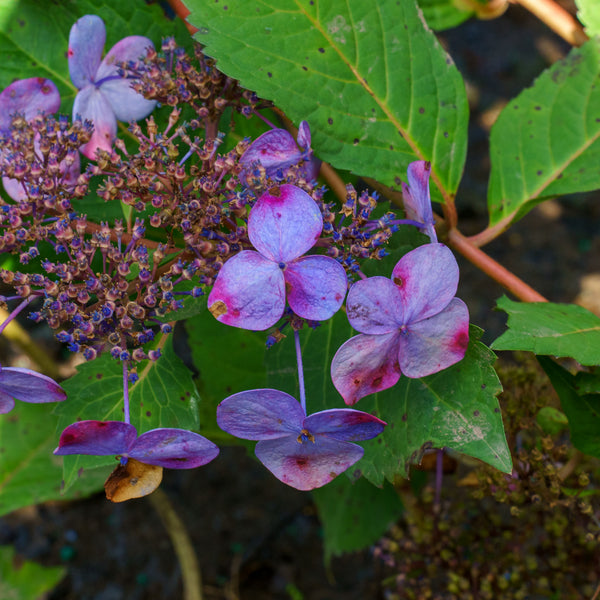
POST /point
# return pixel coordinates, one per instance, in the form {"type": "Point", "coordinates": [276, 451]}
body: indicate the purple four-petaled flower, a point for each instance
{"type": "Point", "coordinates": [251, 289]}
{"type": "Point", "coordinates": [29, 98]}
{"type": "Point", "coordinates": [304, 452]}
{"type": "Point", "coordinates": [28, 386]}
{"type": "Point", "coordinates": [104, 95]}
{"type": "Point", "coordinates": [410, 324]}
{"type": "Point", "coordinates": [417, 201]}
{"type": "Point", "coordinates": [164, 447]}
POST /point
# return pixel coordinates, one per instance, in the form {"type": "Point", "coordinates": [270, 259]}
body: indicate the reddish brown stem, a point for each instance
{"type": "Point", "coordinates": [182, 11]}
{"type": "Point", "coordinates": [557, 18]}
{"type": "Point", "coordinates": [492, 268]}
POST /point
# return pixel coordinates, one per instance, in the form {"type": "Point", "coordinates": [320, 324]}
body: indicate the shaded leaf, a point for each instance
{"type": "Point", "coordinates": [164, 396]}
{"type": "Point", "coordinates": [546, 141]}
{"type": "Point", "coordinates": [229, 360]}
{"type": "Point", "coordinates": [371, 79]}
{"type": "Point", "coordinates": [29, 472]}
{"type": "Point", "coordinates": [456, 408]}
{"type": "Point", "coordinates": [444, 14]}
{"type": "Point", "coordinates": [583, 412]}
{"type": "Point", "coordinates": [355, 514]}
{"type": "Point", "coordinates": [24, 579]}
{"type": "Point", "coordinates": [551, 329]}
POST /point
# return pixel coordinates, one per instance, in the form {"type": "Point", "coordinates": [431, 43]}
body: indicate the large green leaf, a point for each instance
{"type": "Point", "coordinates": [589, 14]}
{"type": "Point", "coordinates": [25, 580]}
{"type": "Point", "coordinates": [164, 396]}
{"type": "Point", "coordinates": [583, 411]}
{"type": "Point", "coordinates": [551, 329]}
{"type": "Point", "coordinates": [371, 79]}
{"type": "Point", "coordinates": [29, 472]}
{"type": "Point", "coordinates": [229, 360]}
{"type": "Point", "coordinates": [546, 141]}
{"type": "Point", "coordinates": [455, 408]}
{"type": "Point", "coordinates": [355, 514]}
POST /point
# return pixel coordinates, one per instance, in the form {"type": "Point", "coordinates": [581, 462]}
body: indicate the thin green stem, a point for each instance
{"type": "Point", "coordinates": [190, 571]}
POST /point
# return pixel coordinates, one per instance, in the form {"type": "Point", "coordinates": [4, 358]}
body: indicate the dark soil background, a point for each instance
{"type": "Point", "coordinates": [256, 538]}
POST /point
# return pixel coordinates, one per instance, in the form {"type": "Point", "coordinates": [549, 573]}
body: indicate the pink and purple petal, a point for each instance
{"type": "Point", "coordinates": [97, 438]}
{"type": "Point", "coordinates": [284, 223]}
{"type": "Point", "coordinates": [173, 449]}
{"type": "Point", "coordinates": [273, 149]}
{"type": "Point", "coordinates": [14, 188]}
{"type": "Point", "coordinates": [249, 292]}
{"type": "Point", "coordinates": [364, 365]}
{"type": "Point", "coordinates": [315, 286]}
{"type": "Point", "coordinates": [7, 403]}
{"type": "Point", "coordinates": [307, 465]}
{"type": "Point", "coordinates": [260, 415]}
{"type": "Point", "coordinates": [417, 201]}
{"type": "Point", "coordinates": [28, 386]}
{"type": "Point", "coordinates": [125, 102]}
{"type": "Point", "coordinates": [91, 104]}
{"type": "Point", "coordinates": [344, 424]}
{"type": "Point", "coordinates": [304, 138]}
{"type": "Point", "coordinates": [28, 97]}
{"type": "Point", "coordinates": [436, 343]}
{"type": "Point", "coordinates": [86, 43]}
{"type": "Point", "coordinates": [375, 306]}
{"type": "Point", "coordinates": [427, 278]}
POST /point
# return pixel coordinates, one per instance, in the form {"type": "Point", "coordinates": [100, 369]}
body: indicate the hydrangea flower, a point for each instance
{"type": "Point", "coordinates": [28, 386]}
{"type": "Point", "coordinates": [276, 150]}
{"type": "Point", "coordinates": [410, 324]}
{"type": "Point", "coordinates": [163, 447]}
{"type": "Point", "coordinates": [251, 288]}
{"type": "Point", "coordinates": [29, 98]}
{"type": "Point", "coordinates": [417, 201]}
{"type": "Point", "coordinates": [104, 95]}
{"type": "Point", "coordinates": [304, 452]}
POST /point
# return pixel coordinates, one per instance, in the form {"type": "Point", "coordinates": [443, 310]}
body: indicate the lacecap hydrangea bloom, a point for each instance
{"type": "Point", "coordinates": [104, 96]}
{"type": "Point", "coordinates": [252, 287]}
{"type": "Point", "coordinates": [304, 452]}
{"type": "Point", "coordinates": [28, 386]}
{"type": "Point", "coordinates": [163, 447]}
{"type": "Point", "coordinates": [409, 324]}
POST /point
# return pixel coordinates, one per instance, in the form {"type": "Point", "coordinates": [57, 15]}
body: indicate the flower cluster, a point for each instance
{"type": "Point", "coordinates": [250, 227]}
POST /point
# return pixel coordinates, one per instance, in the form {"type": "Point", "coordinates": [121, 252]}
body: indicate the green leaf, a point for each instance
{"type": "Point", "coordinates": [551, 329]}
{"type": "Point", "coordinates": [25, 580]}
{"type": "Point", "coordinates": [229, 360]}
{"type": "Point", "coordinates": [551, 420]}
{"type": "Point", "coordinates": [546, 141]}
{"type": "Point", "coordinates": [34, 40]}
{"type": "Point", "coordinates": [444, 14]}
{"type": "Point", "coordinates": [589, 14]}
{"type": "Point", "coordinates": [355, 514]}
{"type": "Point", "coordinates": [456, 408]}
{"type": "Point", "coordinates": [583, 412]}
{"type": "Point", "coordinates": [164, 396]}
{"type": "Point", "coordinates": [29, 472]}
{"type": "Point", "coordinates": [371, 79]}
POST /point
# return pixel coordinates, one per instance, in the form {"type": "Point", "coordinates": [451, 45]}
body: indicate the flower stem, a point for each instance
{"type": "Point", "coordinates": [557, 18]}
{"type": "Point", "coordinates": [492, 268]}
{"type": "Point", "coordinates": [300, 370]}
{"type": "Point", "coordinates": [17, 310]}
{"type": "Point", "coordinates": [126, 392]}
{"type": "Point", "coordinates": [190, 572]}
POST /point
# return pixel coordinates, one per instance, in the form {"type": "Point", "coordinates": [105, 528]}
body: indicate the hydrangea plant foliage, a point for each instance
{"type": "Point", "coordinates": [159, 182]}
